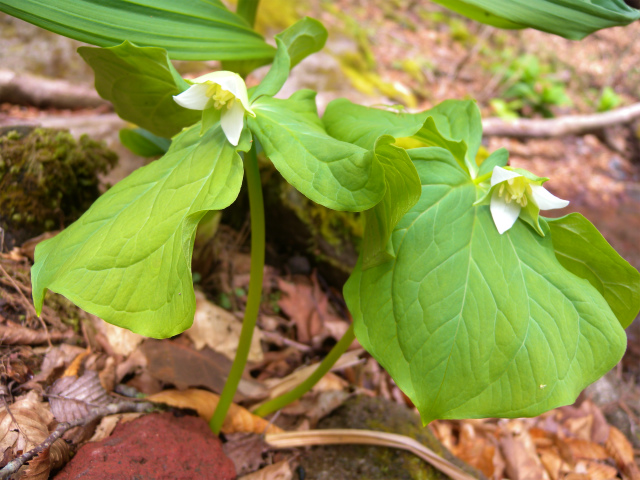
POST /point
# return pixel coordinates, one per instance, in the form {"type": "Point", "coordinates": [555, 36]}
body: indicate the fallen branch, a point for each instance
{"type": "Point", "coordinates": [561, 126]}
{"type": "Point", "coordinates": [14, 465]}
{"type": "Point", "coordinates": [25, 89]}
{"type": "Point", "coordinates": [366, 437]}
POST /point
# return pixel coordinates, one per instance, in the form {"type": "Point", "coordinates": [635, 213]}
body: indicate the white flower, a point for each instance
{"type": "Point", "coordinates": [513, 192]}
{"type": "Point", "coordinates": [224, 91]}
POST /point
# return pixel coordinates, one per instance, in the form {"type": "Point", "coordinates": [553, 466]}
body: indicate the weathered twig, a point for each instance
{"type": "Point", "coordinates": [14, 465]}
{"type": "Point", "coordinates": [25, 89]}
{"type": "Point", "coordinates": [561, 126]}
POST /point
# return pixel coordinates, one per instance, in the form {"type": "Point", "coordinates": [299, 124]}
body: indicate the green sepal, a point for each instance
{"type": "Point", "coordinates": [141, 83]}
{"type": "Point", "coordinates": [128, 258]}
{"type": "Point", "coordinates": [498, 158]}
{"type": "Point", "coordinates": [582, 250]}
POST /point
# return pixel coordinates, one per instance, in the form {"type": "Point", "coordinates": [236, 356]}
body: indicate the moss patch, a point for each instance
{"type": "Point", "coordinates": [47, 180]}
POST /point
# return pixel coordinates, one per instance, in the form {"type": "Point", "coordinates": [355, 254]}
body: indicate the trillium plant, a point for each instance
{"type": "Point", "coordinates": [475, 304]}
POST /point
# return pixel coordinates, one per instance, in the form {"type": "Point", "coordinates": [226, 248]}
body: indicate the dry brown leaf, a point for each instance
{"type": "Point", "coordinates": [25, 427]}
{"type": "Point", "coordinates": [580, 427]}
{"type": "Point", "coordinates": [219, 329]}
{"type": "Point", "coordinates": [184, 367]}
{"type": "Point", "coordinates": [600, 471]}
{"type": "Point", "coordinates": [308, 306]}
{"type": "Point", "coordinates": [58, 358]}
{"type": "Point", "coordinates": [621, 451]}
{"type": "Point", "coordinates": [555, 466]}
{"type": "Point", "coordinates": [15, 334]}
{"type": "Point", "coordinates": [108, 424]}
{"type": "Point", "coordinates": [122, 341]}
{"type": "Point", "coordinates": [522, 461]}
{"type": "Point", "coordinates": [277, 471]}
{"type": "Point", "coordinates": [73, 398]}
{"type": "Point", "coordinates": [238, 419]}
{"type": "Point", "coordinates": [586, 450]}
{"type": "Point", "coordinates": [476, 450]}
{"type": "Point", "coordinates": [74, 367]}
{"type": "Point", "coordinates": [245, 451]}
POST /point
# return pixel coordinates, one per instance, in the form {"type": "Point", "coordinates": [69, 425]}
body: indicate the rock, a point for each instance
{"type": "Point", "coordinates": [356, 462]}
{"type": "Point", "coordinates": [153, 447]}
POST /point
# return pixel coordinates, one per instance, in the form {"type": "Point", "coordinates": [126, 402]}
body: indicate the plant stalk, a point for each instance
{"type": "Point", "coordinates": [326, 364]}
{"type": "Point", "coordinates": [254, 296]}
{"type": "Point", "coordinates": [247, 10]}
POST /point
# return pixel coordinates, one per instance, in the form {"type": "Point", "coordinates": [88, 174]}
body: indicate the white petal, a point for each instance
{"type": "Point", "coordinates": [500, 174]}
{"type": "Point", "coordinates": [194, 98]}
{"type": "Point", "coordinates": [231, 82]}
{"type": "Point", "coordinates": [232, 121]}
{"type": "Point", "coordinates": [504, 214]}
{"type": "Point", "coordinates": [545, 199]}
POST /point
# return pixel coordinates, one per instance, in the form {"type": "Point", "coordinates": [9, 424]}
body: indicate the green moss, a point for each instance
{"type": "Point", "coordinates": [47, 179]}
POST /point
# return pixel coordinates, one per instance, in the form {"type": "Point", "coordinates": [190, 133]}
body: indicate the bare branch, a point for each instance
{"type": "Point", "coordinates": [561, 126]}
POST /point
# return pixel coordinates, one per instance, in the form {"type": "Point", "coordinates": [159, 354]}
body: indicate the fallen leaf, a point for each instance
{"type": "Point", "coordinates": [585, 449]}
{"type": "Point", "coordinates": [308, 306]}
{"type": "Point", "coordinates": [245, 451]}
{"type": "Point", "coordinates": [621, 451]}
{"type": "Point", "coordinates": [184, 367]}
{"type": "Point", "coordinates": [522, 461]}
{"type": "Point", "coordinates": [219, 329]}
{"type": "Point", "coordinates": [73, 398]}
{"type": "Point", "coordinates": [238, 419]}
{"type": "Point", "coordinates": [475, 450]}
{"type": "Point", "coordinates": [600, 471]}
{"type": "Point", "coordinates": [108, 424]}
{"type": "Point", "coordinates": [277, 471]}
{"type": "Point", "coordinates": [122, 341]}
{"type": "Point", "coordinates": [58, 358]}
{"type": "Point", "coordinates": [25, 427]}
{"type": "Point", "coordinates": [15, 334]}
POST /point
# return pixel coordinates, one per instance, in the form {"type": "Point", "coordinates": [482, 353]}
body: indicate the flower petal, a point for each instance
{"type": "Point", "coordinates": [232, 121]}
{"type": "Point", "coordinates": [194, 98]}
{"type": "Point", "coordinates": [231, 82]}
{"type": "Point", "coordinates": [500, 175]}
{"type": "Point", "coordinates": [545, 199]}
{"type": "Point", "coordinates": [504, 214]}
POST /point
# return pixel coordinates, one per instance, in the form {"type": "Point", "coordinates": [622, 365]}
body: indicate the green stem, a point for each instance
{"type": "Point", "coordinates": [326, 364]}
{"type": "Point", "coordinates": [247, 10]}
{"type": "Point", "coordinates": [256, 207]}
{"type": "Point", "coordinates": [482, 178]}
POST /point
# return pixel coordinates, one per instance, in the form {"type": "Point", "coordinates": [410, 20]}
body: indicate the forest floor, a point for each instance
{"type": "Point", "coordinates": [380, 52]}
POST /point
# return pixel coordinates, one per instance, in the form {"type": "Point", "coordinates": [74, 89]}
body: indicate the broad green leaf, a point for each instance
{"type": "Point", "coordinates": [336, 174]}
{"type": "Point", "coordinates": [453, 124]}
{"type": "Point", "coordinates": [582, 250]}
{"type": "Point", "coordinates": [128, 258]}
{"type": "Point", "coordinates": [303, 38]}
{"type": "Point", "coordinates": [141, 82]}
{"type": "Point", "coordinates": [300, 40]}
{"type": "Point", "coordinates": [573, 19]}
{"type": "Point", "coordinates": [402, 192]}
{"type": "Point", "coordinates": [471, 323]}
{"type": "Point", "coordinates": [187, 29]}
{"type": "Point", "coordinates": [499, 158]}
{"type": "Point", "coordinates": [277, 75]}
{"type": "Point", "coordinates": [144, 143]}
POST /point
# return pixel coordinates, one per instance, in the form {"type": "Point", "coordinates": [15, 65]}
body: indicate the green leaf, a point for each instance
{"type": "Point", "coordinates": [453, 124]}
{"type": "Point", "coordinates": [573, 19]}
{"type": "Point", "coordinates": [144, 143]}
{"type": "Point", "coordinates": [277, 75]}
{"type": "Point", "coordinates": [187, 29]}
{"type": "Point", "coordinates": [402, 192]}
{"type": "Point", "coordinates": [300, 40]}
{"type": "Point", "coordinates": [303, 38]}
{"type": "Point", "coordinates": [582, 250]}
{"type": "Point", "coordinates": [128, 258]}
{"type": "Point", "coordinates": [336, 174]}
{"type": "Point", "coordinates": [141, 82]}
{"type": "Point", "coordinates": [499, 158]}
{"type": "Point", "coordinates": [471, 323]}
